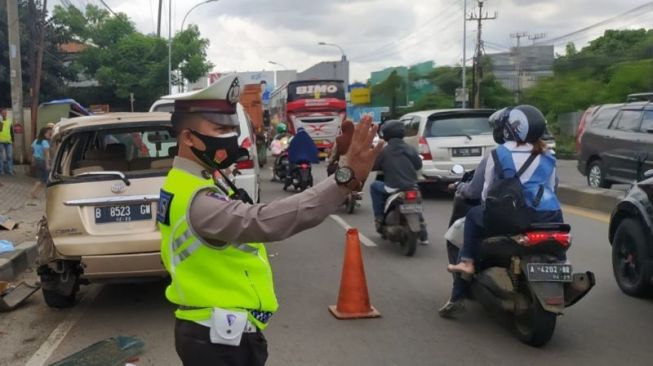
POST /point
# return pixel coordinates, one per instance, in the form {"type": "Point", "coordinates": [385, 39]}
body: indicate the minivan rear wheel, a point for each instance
{"type": "Point", "coordinates": [596, 175]}
{"type": "Point", "coordinates": [59, 287]}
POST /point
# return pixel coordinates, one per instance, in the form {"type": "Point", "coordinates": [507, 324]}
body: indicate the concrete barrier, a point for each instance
{"type": "Point", "coordinates": [15, 262]}
{"type": "Point", "coordinates": [603, 200]}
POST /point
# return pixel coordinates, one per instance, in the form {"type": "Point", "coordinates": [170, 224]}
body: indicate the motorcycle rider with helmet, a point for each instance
{"type": "Point", "coordinates": [522, 128]}
{"type": "Point", "coordinates": [470, 192]}
{"type": "Point", "coordinates": [399, 163]}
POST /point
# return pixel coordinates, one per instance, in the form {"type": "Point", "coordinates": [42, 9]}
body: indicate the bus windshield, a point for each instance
{"type": "Point", "coordinates": [317, 89]}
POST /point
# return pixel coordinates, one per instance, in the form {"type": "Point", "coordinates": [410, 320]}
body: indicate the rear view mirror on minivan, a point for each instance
{"type": "Point", "coordinates": [649, 130]}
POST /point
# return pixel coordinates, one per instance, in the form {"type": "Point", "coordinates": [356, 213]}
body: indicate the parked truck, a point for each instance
{"type": "Point", "coordinates": [250, 98]}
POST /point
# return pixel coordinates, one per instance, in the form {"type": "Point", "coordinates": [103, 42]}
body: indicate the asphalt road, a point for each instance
{"type": "Point", "coordinates": [605, 328]}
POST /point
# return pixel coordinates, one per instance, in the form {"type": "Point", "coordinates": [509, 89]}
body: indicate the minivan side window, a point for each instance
{"type": "Point", "coordinates": [629, 121]}
{"type": "Point", "coordinates": [604, 118]}
{"type": "Point", "coordinates": [647, 123]}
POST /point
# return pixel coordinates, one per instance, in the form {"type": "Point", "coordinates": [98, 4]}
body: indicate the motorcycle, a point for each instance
{"type": "Point", "coordinates": [300, 177]}
{"type": "Point", "coordinates": [526, 275]}
{"type": "Point", "coordinates": [279, 149]}
{"type": "Point", "coordinates": [402, 219]}
{"type": "Point", "coordinates": [351, 202]}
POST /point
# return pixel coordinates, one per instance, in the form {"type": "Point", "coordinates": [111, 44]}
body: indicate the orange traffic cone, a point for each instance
{"type": "Point", "coordinates": [353, 299]}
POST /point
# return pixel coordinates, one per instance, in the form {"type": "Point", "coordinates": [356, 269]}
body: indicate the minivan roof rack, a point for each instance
{"type": "Point", "coordinates": [640, 97]}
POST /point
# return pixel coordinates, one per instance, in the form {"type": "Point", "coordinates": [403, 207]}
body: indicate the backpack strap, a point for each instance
{"type": "Point", "coordinates": [498, 168]}
{"type": "Point", "coordinates": [526, 164]}
{"type": "Point", "coordinates": [538, 197]}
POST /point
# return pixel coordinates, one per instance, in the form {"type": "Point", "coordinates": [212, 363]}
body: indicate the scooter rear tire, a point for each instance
{"type": "Point", "coordinates": [535, 326]}
{"type": "Point", "coordinates": [408, 243]}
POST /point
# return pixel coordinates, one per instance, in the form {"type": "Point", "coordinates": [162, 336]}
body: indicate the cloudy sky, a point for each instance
{"type": "Point", "coordinates": [246, 34]}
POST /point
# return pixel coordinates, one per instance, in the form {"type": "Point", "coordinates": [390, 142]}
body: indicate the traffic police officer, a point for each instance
{"type": "Point", "coordinates": [221, 278]}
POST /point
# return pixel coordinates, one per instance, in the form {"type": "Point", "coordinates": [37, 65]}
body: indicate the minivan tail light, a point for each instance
{"type": "Point", "coordinates": [246, 164]}
{"type": "Point", "coordinates": [424, 149]}
{"type": "Point", "coordinates": [581, 127]}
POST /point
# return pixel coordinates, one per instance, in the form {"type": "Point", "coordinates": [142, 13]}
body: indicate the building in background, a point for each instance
{"type": "Point", "coordinates": [327, 70]}
{"type": "Point", "coordinates": [522, 67]}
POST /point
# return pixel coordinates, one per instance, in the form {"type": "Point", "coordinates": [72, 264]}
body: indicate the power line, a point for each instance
{"type": "Point", "coordinates": [405, 47]}
{"type": "Point", "coordinates": [109, 8]}
{"type": "Point", "coordinates": [407, 35]}
{"type": "Point", "coordinates": [603, 22]}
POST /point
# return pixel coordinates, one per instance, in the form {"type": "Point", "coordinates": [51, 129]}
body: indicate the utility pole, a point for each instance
{"type": "Point", "coordinates": [478, 68]}
{"type": "Point", "coordinates": [464, 87]}
{"type": "Point", "coordinates": [517, 53]}
{"type": "Point", "coordinates": [16, 72]}
{"type": "Point", "coordinates": [36, 82]}
{"type": "Point", "coordinates": [158, 25]}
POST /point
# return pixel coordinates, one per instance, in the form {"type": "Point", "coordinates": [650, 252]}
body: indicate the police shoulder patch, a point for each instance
{"type": "Point", "coordinates": [163, 211]}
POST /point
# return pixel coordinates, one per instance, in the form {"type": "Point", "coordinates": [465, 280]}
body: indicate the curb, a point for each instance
{"type": "Point", "coordinates": [602, 200]}
{"type": "Point", "coordinates": [15, 262]}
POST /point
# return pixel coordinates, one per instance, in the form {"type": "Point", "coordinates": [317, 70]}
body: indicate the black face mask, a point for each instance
{"type": "Point", "coordinates": [221, 152]}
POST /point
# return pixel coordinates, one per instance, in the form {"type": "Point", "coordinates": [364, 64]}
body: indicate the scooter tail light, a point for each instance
{"type": "Point", "coordinates": [304, 166]}
{"type": "Point", "coordinates": [411, 195]}
{"type": "Point", "coordinates": [539, 237]}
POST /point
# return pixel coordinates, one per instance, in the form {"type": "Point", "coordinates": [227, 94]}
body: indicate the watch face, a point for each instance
{"type": "Point", "coordinates": [343, 175]}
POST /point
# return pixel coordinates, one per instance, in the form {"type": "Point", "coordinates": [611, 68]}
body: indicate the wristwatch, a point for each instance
{"type": "Point", "coordinates": [345, 177]}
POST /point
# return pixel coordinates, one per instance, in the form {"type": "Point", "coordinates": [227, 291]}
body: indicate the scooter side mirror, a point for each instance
{"type": "Point", "coordinates": [457, 169]}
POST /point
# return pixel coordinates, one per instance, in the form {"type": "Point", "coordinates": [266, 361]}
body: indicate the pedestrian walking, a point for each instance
{"type": "Point", "coordinates": [41, 160]}
{"type": "Point", "coordinates": [6, 144]}
{"type": "Point", "coordinates": [211, 243]}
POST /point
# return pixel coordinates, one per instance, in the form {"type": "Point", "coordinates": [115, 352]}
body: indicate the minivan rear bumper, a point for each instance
{"type": "Point", "coordinates": [123, 266]}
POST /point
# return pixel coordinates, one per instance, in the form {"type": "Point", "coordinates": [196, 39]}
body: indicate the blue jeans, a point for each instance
{"type": "Point", "coordinates": [379, 196]}
{"type": "Point", "coordinates": [6, 158]}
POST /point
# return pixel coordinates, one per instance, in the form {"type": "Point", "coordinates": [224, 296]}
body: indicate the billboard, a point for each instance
{"type": "Point", "coordinates": [360, 96]}
{"type": "Point", "coordinates": [356, 113]}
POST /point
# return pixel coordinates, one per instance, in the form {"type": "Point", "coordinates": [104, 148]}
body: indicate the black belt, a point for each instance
{"type": "Point", "coordinates": [262, 316]}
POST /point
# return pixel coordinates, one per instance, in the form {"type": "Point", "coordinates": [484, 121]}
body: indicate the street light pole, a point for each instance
{"type": "Point", "coordinates": [170, 47]}
{"type": "Point", "coordinates": [342, 52]}
{"type": "Point", "coordinates": [342, 60]}
{"type": "Point", "coordinates": [275, 73]}
{"type": "Point", "coordinates": [193, 8]}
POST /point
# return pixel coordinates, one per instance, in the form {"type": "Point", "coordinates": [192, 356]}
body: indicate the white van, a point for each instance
{"type": "Point", "coordinates": [249, 178]}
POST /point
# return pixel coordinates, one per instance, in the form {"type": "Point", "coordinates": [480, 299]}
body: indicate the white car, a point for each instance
{"type": "Point", "coordinates": [248, 177]}
{"type": "Point", "coordinates": [446, 137]}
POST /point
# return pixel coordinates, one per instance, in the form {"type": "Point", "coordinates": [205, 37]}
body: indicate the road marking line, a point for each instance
{"type": "Point", "coordinates": [592, 215]}
{"type": "Point", "coordinates": [364, 239]}
{"type": "Point", "coordinates": [41, 356]}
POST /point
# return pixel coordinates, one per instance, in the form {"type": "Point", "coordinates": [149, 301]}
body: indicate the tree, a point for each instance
{"type": "Point", "coordinates": [55, 72]}
{"type": "Point", "coordinates": [388, 91]}
{"type": "Point", "coordinates": [124, 61]}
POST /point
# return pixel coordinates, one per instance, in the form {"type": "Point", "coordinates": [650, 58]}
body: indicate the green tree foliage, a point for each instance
{"type": "Point", "coordinates": [125, 61]}
{"type": "Point", "coordinates": [390, 92]}
{"type": "Point", "coordinates": [55, 72]}
{"type": "Point", "coordinates": [447, 80]}
{"type": "Point", "coordinates": [605, 71]}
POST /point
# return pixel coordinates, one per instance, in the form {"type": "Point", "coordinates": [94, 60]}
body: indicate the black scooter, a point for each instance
{"type": "Point", "coordinates": [401, 220]}
{"type": "Point", "coordinates": [525, 275]}
{"type": "Point", "coordinates": [300, 177]}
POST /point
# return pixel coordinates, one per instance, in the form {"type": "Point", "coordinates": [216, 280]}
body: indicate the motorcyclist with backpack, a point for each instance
{"type": "Point", "coordinates": [399, 163]}
{"type": "Point", "coordinates": [522, 170]}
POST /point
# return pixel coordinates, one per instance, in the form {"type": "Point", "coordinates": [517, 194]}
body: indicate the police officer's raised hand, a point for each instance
{"type": "Point", "coordinates": [362, 153]}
